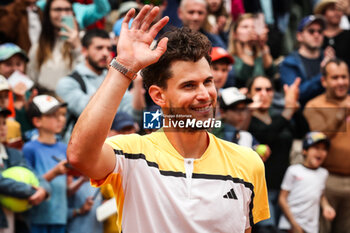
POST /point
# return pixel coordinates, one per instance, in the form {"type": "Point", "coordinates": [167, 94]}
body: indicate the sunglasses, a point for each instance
{"type": "Point", "coordinates": [268, 89]}
{"type": "Point", "coordinates": [312, 31]}
{"type": "Point", "coordinates": [61, 9]}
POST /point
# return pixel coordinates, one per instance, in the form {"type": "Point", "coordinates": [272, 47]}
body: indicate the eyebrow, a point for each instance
{"type": "Point", "coordinates": [193, 81]}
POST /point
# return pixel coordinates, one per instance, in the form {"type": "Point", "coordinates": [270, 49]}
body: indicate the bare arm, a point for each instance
{"type": "Point", "coordinates": [86, 149]}
{"type": "Point", "coordinates": [282, 200]}
{"type": "Point", "coordinates": [249, 230]}
{"type": "Point", "coordinates": [327, 210]}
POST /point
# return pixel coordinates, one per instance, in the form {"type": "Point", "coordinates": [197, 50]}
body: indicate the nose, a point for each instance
{"type": "Point", "coordinates": [203, 93]}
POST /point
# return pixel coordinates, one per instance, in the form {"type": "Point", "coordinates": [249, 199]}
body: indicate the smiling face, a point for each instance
{"type": "Point", "coordinates": [315, 155]}
{"type": "Point", "coordinates": [58, 9]}
{"type": "Point", "coordinates": [190, 90]}
{"type": "Point", "coordinates": [262, 91]}
{"type": "Point", "coordinates": [336, 81]}
{"type": "Point", "coordinates": [193, 14]}
{"type": "Point", "coordinates": [245, 31]}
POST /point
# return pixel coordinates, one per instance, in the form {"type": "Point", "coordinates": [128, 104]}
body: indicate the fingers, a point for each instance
{"type": "Point", "coordinates": [127, 18]}
{"type": "Point", "coordinates": [149, 19]}
{"type": "Point", "coordinates": [140, 17]}
{"type": "Point", "coordinates": [161, 48]}
{"type": "Point", "coordinates": [158, 26]}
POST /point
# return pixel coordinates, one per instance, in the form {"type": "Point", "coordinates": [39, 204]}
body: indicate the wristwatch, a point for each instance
{"type": "Point", "coordinates": [122, 69]}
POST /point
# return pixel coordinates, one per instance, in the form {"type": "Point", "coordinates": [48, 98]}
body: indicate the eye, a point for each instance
{"type": "Point", "coordinates": [189, 86]}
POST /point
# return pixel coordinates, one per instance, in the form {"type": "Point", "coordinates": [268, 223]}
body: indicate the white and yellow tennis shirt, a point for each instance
{"type": "Point", "coordinates": [157, 190]}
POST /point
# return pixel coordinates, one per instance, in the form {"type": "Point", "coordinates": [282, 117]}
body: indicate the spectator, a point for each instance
{"type": "Point", "coordinates": [13, 58]}
{"type": "Point", "coordinates": [85, 14]}
{"type": "Point", "coordinates": [235, 115]}
{"type": "Point", "coordinates": [251, 53]}
{"type": "Point", "coordinates": [20, 22]}
{"type": "Point", "coordinates": [307, 61]}
{"type": "Point", "coordinates": [192, 14]}
{"type": "Point", "coordinates": [14, 137]}
{"type": "Point", "coordinates": [123, 123]}
{"type": "Point", "coordinates": [77, 88]}
{"type": "Point", "coordinates": [82, 207]}
{"type": "Point", "coordinates": [57, 52]}
{"type": "Point", "coordinates": [48, 116]}
{"type": "Point", "coordinates": [302, 189]}
{"type": "Point", "coordinates": [329, 113]}
{"type": "Point", "coordinates": [335, 37]}
{"type": "Point", "coordinates": [277, 131]}
{"type": "Point", "coordinates": [221, 64]}
{"type": "Point", "coordinates": [218, 19]}
{"type": "Point", "coordinates": [11, 158]}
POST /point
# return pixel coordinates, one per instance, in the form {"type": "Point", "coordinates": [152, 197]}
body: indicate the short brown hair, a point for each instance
{"type": "Point", "coordinates": [183, 45]}
{"type": "Point", "coordinates": [336, 61]}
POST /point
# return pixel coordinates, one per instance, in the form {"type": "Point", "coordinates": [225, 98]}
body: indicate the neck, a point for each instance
{"type": "Point", "coordinates": [188, 144]}
{"type": "Point", "coordinates": [309, 53]}
{"type": "Point", "coordinates": [46, 137]}
{"type": "Point", "coordinates": [332, 30]}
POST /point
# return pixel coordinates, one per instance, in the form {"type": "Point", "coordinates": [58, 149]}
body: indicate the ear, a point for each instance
{"type": "Point", "coordinates": [157, 95]}
{"type": "Point", "coordinates": [323, 82]}
{"type": "Point", "coordinates": [299, 36]}
{"type": "Point", "coordinates": [84, 51]}
{"type": "Point", "coordinates": [179, 13]}
{"type": "Point", "coordinates": [36, 122]}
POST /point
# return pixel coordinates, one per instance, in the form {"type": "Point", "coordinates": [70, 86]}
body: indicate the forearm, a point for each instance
{"type": "Point", "coordinates": [50, 175]}
{"type": "Point", "coordinates": [286, 210]}
{"type": "Point", "coordinates": [91, 130]}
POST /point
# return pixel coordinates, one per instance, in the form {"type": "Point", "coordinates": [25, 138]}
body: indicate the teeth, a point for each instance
{"type": "Point", "coordinates": [202, 109]}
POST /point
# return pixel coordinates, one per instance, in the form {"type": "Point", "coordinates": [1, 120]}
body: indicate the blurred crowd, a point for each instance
{"type": "Point", "coordinates": [280, 68]}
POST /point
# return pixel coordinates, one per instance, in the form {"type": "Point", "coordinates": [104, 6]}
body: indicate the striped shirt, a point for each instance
{"type": "Point", "coordinates": [157, 190]}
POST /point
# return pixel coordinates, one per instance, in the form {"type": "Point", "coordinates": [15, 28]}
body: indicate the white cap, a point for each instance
{"type": "Point", "coordinates": [47, 104]}
{"type": "Point", "coordinates": [232, 96]}
{"type": "Point", "coordinates": [4, 85]}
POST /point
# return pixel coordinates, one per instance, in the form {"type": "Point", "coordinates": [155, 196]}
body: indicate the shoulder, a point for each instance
{"type": "Point", "coordinates": [315, 102]}
{"type": "Point", "coordinates": [14, 152]}
{"type": "Point", "coordinates": [243, 156]}
{"type": "Point", "coordinates": [292, 58]}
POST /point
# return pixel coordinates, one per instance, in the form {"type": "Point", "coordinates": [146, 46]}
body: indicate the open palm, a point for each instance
{"type": "Point", "coordinates": [133, 47]}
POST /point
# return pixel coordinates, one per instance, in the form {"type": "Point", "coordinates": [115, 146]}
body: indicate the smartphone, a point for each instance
{"type": "Point", "coordinates": [259, 24]}
{"type": "Point", "coordinates": [67, 165]}
{"type": "Point", "coordinates": [67, 20]}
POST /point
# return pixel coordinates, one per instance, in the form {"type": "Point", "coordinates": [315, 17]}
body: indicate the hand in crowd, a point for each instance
{"type": "Point", "coordinates": [61, 168]}
{"type": "Point", "coordinates": [329, 53]}
{"type": "Point", "coordinates": [291, 94]}
{"type": "Point", "coordinates": [297, 229]}
{"type": "Point", "coordinates": [89, 202]}
{"type": "Point", "coordinates": [133, 48]}
{"type": "Point", "coordinates": [72, 35]}
{"type": "Point", "coordinates": [328, 212]}
{"type": "Point", "coordinates": [38, 197]}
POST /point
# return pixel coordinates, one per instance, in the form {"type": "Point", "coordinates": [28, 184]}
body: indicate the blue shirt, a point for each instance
{"type": "Point", "coordinates": [39, 157]}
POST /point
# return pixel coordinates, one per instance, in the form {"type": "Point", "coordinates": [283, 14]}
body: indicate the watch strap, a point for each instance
{"type": "Point", "coordinates": [122, 69]}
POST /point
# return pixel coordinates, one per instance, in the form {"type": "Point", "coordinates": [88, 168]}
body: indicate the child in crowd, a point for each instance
{"type": "Point", "coordinates": [235, 115]}
{"type": "Point", "coordinates": [302, 188]}
{"type": "Point", "coordinates": [48, 158]}
{"type": "Point", "coordinates": [9, 187]}
{"type": "Point", "coordinates": [14, 136]}
{"type": "Point", "coordinates": [221, 63]}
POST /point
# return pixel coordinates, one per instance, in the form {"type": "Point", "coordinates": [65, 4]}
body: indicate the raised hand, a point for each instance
{"type": "Point", "coordinates": [133, 47]}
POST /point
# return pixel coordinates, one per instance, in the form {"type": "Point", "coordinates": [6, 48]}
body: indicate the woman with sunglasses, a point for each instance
{"type": "Point", "coordinates": [59, 47]}
{"type": "Point", "coordinates": [276, 129]}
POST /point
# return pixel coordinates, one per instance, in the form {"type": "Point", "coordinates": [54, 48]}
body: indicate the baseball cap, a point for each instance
{"type": "Point", "coordinates": [47, 104]}
{"type": "Point", "coordinates": [126, 6]}
{"type": "Point", "coordinates": [4, 85]}
{"type": "Point", "coordinates": [7, 50]}
{"type": "Point", "coordinates": [219, 53]}
{"type": "Point", "coordinates": [312, 138]}
{"type": "Point", "coordinates": [122, 120]}
{"type": "Point", "coordinates": [4, 112]}
{"type": "Point", "coordinates": [306, 21]}
{"type": "Point", "coordinates": [232, 96]}
{"type": "Point", "coordinates": [322, 5]}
